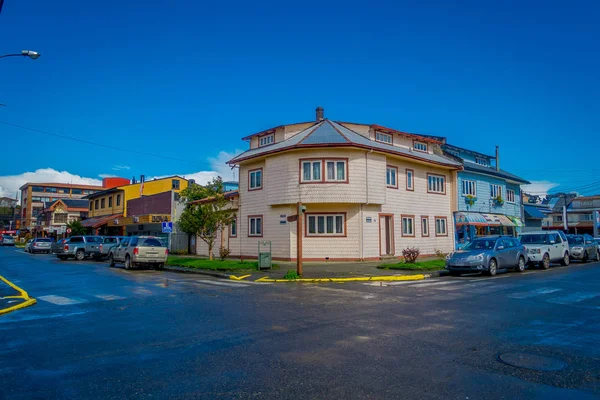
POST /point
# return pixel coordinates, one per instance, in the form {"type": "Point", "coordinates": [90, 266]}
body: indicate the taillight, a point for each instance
{"type": "Point", "coordinates": [66, 247]}
{"type": "Point", "coordinates": [136, 251]}
{"type": "Point", "coordinates": [100, 247]}
{"type": "Point", "coordinates": [166, 252]}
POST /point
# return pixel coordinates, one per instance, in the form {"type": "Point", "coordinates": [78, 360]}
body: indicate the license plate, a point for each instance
{"type": "Point", "coordinates": [151, 260]}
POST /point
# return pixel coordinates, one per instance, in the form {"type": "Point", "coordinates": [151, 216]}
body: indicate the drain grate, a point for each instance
{"type": "Point", "coordinates": [532, 361]}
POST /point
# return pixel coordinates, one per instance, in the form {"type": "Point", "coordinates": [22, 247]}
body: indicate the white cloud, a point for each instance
{"type": "Point", "coordinates": [540, 188]}
{"type": "Point", "coordinates": [10, 184]}
{"type": "Point", "coordinates": [219, 168]}
{"type": "Point", "coordinates": [121, 167]}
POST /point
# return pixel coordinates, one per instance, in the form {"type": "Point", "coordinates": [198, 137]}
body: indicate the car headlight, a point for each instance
{"type": "Point", "coordinates": [478, 257]}
{"type": "Point", "coordinates": [449, 256]}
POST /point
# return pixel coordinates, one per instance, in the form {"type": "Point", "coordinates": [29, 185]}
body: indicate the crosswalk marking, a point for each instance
{"type": "Point", "coordinates": [229, 284]}
{"type": "Point", "coordinates": [466, 286]}
{"type": "Point", "coordinates": [60, 300]}
{"type": "Point", "coordinates": [439, 283]}
{"type": "Point", "coordinates": [573, 298]}
{"type": "Point", "coordinates": [533, 293]}
{"type": "Point", "coordinates": [108, 297]}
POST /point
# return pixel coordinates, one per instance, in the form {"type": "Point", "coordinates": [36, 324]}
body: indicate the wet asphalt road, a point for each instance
{"type": "Point", "coordinates": [100, 333]}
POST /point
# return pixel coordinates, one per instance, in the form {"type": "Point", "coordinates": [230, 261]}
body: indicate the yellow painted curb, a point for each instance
{"type": "Point", "coordinates": [238, 278]}
{"type": "Point", "coordinates": [385, 278]}
{"type": "Point", "coordinates": [23, 295]}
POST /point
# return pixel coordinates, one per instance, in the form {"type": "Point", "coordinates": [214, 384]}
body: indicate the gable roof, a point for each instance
{"type": "Point", "coordinates": [332, 134]}
{"type": "Point", "coordinates": [482, 169]}
{"type": "Point", "coordinates": [476, 153]}
{"type": "Point", "coordinates": [70, 204]}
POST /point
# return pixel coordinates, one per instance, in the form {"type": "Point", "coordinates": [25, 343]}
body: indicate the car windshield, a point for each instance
{"type": "Point", "coordinates": [45, 240]}
{"type": "Point", "coordinates": [93, 239]}
{"type": "Point", "coordinates": [152, 242]}
{"type": "Point", "coordinates": [540, 238]}
{"type": "Point", "coordinates": [575, 239]}
{"type": "Point", "coordinates": [481, 244]}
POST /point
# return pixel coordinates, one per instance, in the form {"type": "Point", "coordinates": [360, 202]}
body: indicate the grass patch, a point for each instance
{"type": "Point", "coordinates": [430, 265]}
{"type": "Point", "coordinates": [213, 265]}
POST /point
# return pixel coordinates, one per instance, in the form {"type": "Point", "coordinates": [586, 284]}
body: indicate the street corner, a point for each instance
{"type": "Point", "coordinates": [12, 297]}
{"type": "Point", "coordinates": [239, 278]}
{"type": "Point", "coordinates": [382, 278]}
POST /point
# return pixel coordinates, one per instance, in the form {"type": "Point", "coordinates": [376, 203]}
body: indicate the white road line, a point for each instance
{"type": "Point", "coordinates": [466, 286]}
{"type": "Point", "coordinates": [573, 298]}
{"type": "Point", "coordinates": [108, 297]}
{"type": "Point", "coordinates": [533, 293]}
{"type": "Point", "coordinates": [397, 283]}
{"type": "Point", "coordinates": [60, 300]}
{"type": "Point", "coordinates": [230, 284]}
{"type": "Point", "coordinates": [427, 284]}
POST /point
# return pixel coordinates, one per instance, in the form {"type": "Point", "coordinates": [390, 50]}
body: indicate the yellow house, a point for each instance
{"type": "Point", "coordinates": [110, 205]}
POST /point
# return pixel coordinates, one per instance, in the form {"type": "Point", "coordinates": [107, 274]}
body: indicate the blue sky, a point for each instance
{"type": "Point", "coordinates": [190, 79]}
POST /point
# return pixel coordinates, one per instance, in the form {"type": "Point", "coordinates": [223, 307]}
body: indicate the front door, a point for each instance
{"type": "Point", "coordinates": [386, 235]}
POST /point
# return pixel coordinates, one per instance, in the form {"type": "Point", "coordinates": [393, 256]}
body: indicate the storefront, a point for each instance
{"type": "Point", "coordinates": [470, 225]}
{"type": "Point", "coordinates": [102, 225]}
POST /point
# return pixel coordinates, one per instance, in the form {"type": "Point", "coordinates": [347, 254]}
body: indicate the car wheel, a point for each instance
{"type": "Point", "coordinates": [565, 260]}
{"type": "Point", "coordinates": [111, 261]}
{"type": "Point", "coordinates": [80, 255]}
{"type": "Point", "coordinates": [520, 265]}
{"type": "Point", "coordinates": [63, 258]}
{"type": "Point", "coordinates": [161, 266]}
{"type": "Point", "coordinates": [128, 262]}
{"type": "Point", "coordinates": [586, 257]}
{"type": "Point", "coordinates": [545, 263]}
{"type": "Point", "coordinates": [493, 268]}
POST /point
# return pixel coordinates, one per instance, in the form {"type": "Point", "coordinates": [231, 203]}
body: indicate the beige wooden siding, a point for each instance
{"type": "Point", "coordinates": [363, 130]}
{"type": "Point", "coordinates": [290, 130]}
{"type": "Point", "coordinates": [375, 169]}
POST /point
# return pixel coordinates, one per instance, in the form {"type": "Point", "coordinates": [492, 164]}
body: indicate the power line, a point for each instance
{"type": "Point", "coordinates": [97, 144]}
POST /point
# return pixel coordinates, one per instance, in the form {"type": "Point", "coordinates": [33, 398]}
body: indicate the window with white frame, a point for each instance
{"type": "Point", "coordinates": [453, 152]}
{"type": "Point", "coordinates": [586, 217]}
{"type": "Point", "coordinates": [255, 179]}
{"type": "Point", "coordinates": [408, 225]}
{"type": "Point", "coordinates": [255, 223]}
{"type": "Point", "coordinates": [391, 177]}
{"type": "Point", "coordinates": [233, 228]}
{"type": "Point", "coordinates": [441, 228]}
{"type": "Point", "coordinates": [424, 226]}
{"type": "Point", "coordinates": [311, 170]}
{"type": "Point", "coordinates": [420, 146]}
{"type": "Point", "coordinates": [510, 195]}
{"type": "Point", "coordinates": [383, 137]}
{"type": "Point", "coordinates": [436, 184]}
{"type": "Point", "coordinates": [481, 161]}
{"type": "Point", "coordinates": [325, 224]}
{"type": "Point", "coordinates": [410, 179]}
{"type": "Point", "coordinates": [469, 188]}
{"type": "Point", "coordinates": [265, 140]}
{"type": "Point", "coordinates": [496, 191]}
{"type": "Point", "coordinates": [336, 170]}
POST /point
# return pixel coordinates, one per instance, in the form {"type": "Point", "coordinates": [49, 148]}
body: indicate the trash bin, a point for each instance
{"type": "Point", "coordinates": [264, 255]}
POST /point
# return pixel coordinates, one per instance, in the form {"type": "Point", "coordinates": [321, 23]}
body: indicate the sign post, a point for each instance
{"type": "Point", "coordinates": [167, 227]}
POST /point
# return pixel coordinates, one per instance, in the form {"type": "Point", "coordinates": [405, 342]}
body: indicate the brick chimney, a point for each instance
{"type": "Point", "coordinates": [497, 158]}
{"type": "Point", "coordinates": [320, 114]}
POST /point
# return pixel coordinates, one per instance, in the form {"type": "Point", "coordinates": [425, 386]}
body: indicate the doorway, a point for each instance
{"type": "Point", "coordinates": [386, 235]}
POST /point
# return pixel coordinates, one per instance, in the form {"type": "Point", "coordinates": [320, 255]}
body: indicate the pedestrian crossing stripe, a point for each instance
{"type": "Point", "coordinates": [573, 298]}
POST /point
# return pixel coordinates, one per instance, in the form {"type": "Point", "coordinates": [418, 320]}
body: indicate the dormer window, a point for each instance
{"type": "Point", "coordinates": [420, 146]}
{"type": "Point", "coordinates": [383, 138]}
{"type": "Point", "coordinates": [266, 140]}
{"type": "Point", "coordinates": [453, 152]}
{"type": "Point", "coordinates": [481, 161]}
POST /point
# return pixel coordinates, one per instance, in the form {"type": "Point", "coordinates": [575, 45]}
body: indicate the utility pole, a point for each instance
{"type": "Point", "coordinates": [299, 212]}
{"type": "Point", "coordinates": [565, 219]}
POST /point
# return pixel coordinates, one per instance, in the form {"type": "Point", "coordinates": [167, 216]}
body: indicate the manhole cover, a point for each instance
{"type": "Point", "coordinates": [532, 361]}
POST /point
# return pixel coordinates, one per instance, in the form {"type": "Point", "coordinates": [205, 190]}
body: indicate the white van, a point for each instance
{"type": "Point", "coordinates": [544, 247]}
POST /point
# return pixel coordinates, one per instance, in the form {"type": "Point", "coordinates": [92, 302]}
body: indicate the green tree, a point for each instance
{"type": "Point", "coordinates": [206, 212]}
{"type": "Point", "coordinates": [76, 228]}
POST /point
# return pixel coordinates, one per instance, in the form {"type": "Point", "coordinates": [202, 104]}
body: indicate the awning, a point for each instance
{"type": "Point", "coordinates": [517, 221]}
{"type": "Point", "coordinates": [532, 212]}
{"type": "Point", "coordinates": [479, 219]}
{"type": "Point", "coordinates": [99, 221]}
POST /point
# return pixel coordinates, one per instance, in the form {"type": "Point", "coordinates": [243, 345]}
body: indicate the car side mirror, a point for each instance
{"type": "Point", "coordinates": [500, 248]}
{"type": "Point", "coordinates": [552, 242]}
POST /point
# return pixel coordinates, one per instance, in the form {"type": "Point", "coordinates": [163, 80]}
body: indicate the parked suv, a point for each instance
{"type": "Point", "coordinates": [79, 247]}
{"type": "Point", "coordinates": [108, 243]}
{"type": "Point", "coordinates": [583, 247]}
{"type": "Point", "coordinates": [488, 254]}
{"type": "Point", "coordinates": [137, 251]}
{"type": "Point", "coordinates": [7, 240]}
{"type": "Point", "coordinates": [40, 245]}
{"type": "Point", "coordinates": [544, 247]}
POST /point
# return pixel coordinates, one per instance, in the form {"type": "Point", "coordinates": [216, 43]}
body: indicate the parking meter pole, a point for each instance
{"type": "Point", "coordinates": [299, 239]}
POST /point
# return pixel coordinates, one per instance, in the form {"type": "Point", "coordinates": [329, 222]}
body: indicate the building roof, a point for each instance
{"type": "Point", "coordinates": [332, 134]}
{"type": "Point", "coordinates": [76, 203]}
{"type": "Point", "coordinates": [476, 153]}
{"type": "Point", "coordinates": [7, 198]}
{"type": "Point", "coordinates": [532, 212]}
{"type": "Point", "coordinates": [99, 221]}
{"type": "Point", "coordinates": [102, 193]}
{"type": "Point", "coordinates": [482, 169]}
{"type": "Point", "coordinates": [61, 185]}
{"type": "Point", "coordinates": [228, 195]}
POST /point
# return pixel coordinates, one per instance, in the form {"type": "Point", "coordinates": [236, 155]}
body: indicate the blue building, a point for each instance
{"type": "Point", "coordinates": [489, 198]}
{"type": "Point", "coordinates": [228, 186]}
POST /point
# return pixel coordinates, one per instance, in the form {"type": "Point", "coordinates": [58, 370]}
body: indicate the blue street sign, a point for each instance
{"type": "Point", "coordinates": [167, 227]}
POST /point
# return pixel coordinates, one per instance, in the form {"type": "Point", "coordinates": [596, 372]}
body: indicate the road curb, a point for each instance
{"type": "Point", "coordinates": [183, 270]}
{"type": "Point", "coordinates": [385, 278]}
{"type": "Point", "coordinates": [28, 301]}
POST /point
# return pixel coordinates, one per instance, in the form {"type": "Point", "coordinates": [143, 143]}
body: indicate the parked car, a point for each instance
{"type": "Point", "coordinates": [108, 242]}
{"type": "Point", "coordinates": [27, 245]}
{"type": "Point", "coordinates": [545, 247]}
{"type": "Point", "coordinates": [58, 244]}
{"type": "Point", "coordinates": [40, 245]}
{"type": "Point", "coordinates": [7, 240]}
{"type": "Point", "coordinates": [137, 251]}
{"type": "Point", "coordinates": [488, 254]}
{"type": "Point", "coordinates": [583, 247]}
{"type": "Point", "coordinates": [79, 247]}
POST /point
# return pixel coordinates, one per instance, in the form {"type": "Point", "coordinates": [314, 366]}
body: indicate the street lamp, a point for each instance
{"type": "Point", "coordinates": [34, 55]}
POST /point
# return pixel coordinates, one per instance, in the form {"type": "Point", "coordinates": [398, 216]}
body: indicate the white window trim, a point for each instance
{"type": "Point", "coordinates": [255, 218]}
{"type": "Point", "coordinates": [250, 173]}
{"type": "Point", "coordinates": [384, 135]}
{"type": "Point", "coordinates": [410, 181]}
{"type": "Point", "coordinates": [481, 161]}
{"type": "Point", "coordinates": [335, 170]}
{"type": "Point", "coordinates": [434, 190]}
{"type": "Point", "coordinates": [424, 148]}
{"type": "Point", "coordinates": [266, 140]}
{"type": "Point", "coordinates": [403, 225]}
{"type": "Point", "coordinates": [425, 226]}
{"type": "Point", "coordinates": [311, 162]}
{"type": "Point", "coordinates": [445, 225]}
{"type": "Point", "coordinates": [323, 170]}
{"type": "Point", "coordinates": [393, 185]}
{"type": "Point", "coordinates": [316, 216]}
{"type": "Point", "coordinates": [471, 185]}
{"type": "Point", "coordinates": [497, 189]}
{"type": "Point", "coordinates": [508, 192]}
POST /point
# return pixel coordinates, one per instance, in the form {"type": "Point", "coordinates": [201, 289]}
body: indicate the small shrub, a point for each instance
{"type": "Point", "coordinates": [291, 275]}
{"type": "Point", "coordinates": [410, 254]}
{"type": "Point", "coordinates": [180, 252]}
{"type": "Point", "coordinates": [224, 253]}
{"type": "Point", "coordinates": [440, 254]}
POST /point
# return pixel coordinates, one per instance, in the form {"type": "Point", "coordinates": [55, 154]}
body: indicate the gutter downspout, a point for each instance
{"type": "Point", "coordinates": [362, 221]}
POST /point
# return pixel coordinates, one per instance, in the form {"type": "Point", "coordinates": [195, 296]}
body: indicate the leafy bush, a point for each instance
{"type": "Point", "coordinates": [291, 275]}
{"type": "Point", "coordinates": [224, 253]}
{"type": "Point", "coordinates": [440, 254]}
{"type": "Point", "coordinates": [410, 254]}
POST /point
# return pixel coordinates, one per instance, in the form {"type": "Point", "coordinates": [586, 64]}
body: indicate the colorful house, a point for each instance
{"type": "Point", "coordinates": [369, 192]}
{"type": "Point", "coordinates": [488, 198]}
